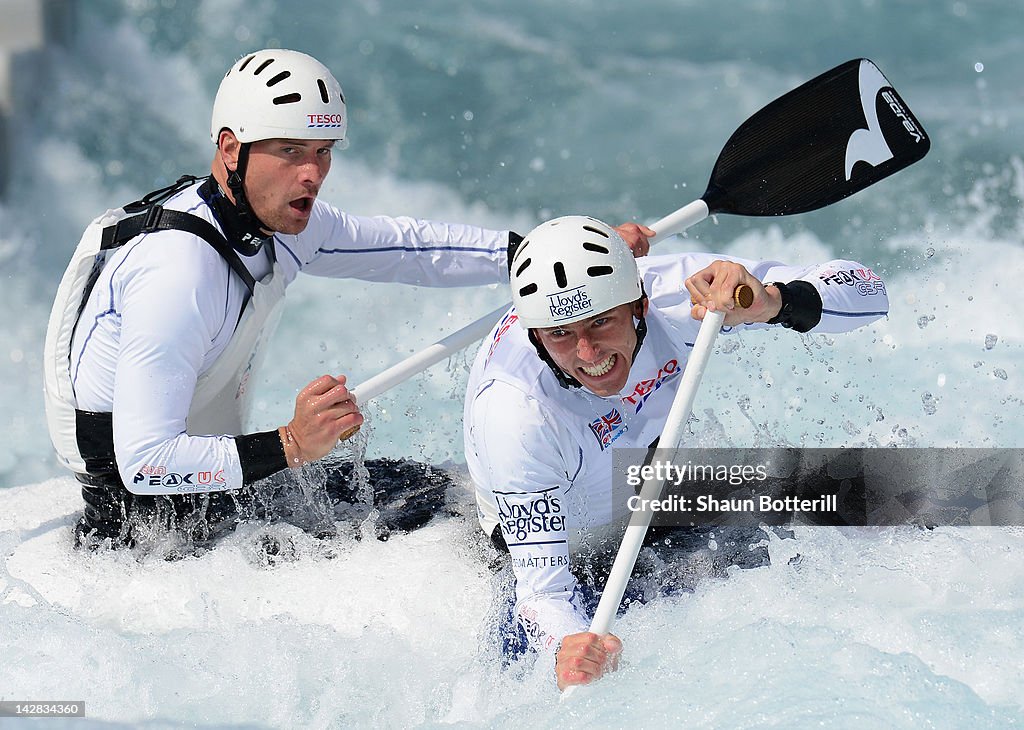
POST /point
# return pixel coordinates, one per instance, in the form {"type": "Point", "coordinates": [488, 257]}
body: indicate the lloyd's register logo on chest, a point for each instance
{"type": "Point", "coordinates": [569, 303]}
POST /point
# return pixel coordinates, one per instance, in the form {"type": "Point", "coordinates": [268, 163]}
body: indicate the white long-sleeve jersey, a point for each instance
{"type": "Point", "coordinates": [166, 307]}
{"type": "Point", "coordinates": [540, 455]}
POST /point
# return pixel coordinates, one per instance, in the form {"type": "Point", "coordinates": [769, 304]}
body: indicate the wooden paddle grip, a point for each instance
{"type": "Point", "coordinates": [349, 433]}
{"type": "Point", "coordinates": [743, 296]}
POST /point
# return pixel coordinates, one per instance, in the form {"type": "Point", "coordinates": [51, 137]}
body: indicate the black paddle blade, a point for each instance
{"type": "Point", "coordinates": [817, 144]}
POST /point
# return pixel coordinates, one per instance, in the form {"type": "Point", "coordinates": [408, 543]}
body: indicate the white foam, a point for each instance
{"type": "Point", "coordinates": [912, 626]}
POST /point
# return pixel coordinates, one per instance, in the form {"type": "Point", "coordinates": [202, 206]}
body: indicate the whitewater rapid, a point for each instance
{"type": "Point", "coordinates": [894, 627]}
{"type": "Point", "coordinates": [503, 118]}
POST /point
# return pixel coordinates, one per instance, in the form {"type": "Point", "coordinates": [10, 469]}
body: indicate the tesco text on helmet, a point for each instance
{"type": "Point", "coordinates": [325, 120]}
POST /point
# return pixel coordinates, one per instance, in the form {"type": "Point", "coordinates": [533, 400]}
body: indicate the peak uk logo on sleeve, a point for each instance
{"type": "Point", "coordinates": [201, 481]}
{"type": "Point", "coordinates": [865, 281]}
{"type": "Point", "coordinates": [608, 427]}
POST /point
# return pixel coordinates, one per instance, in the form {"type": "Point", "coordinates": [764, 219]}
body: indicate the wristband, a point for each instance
{"type": "Point", "coordinates": [260, 454]}
{"type": "Point", "coordinates": [801, 305]}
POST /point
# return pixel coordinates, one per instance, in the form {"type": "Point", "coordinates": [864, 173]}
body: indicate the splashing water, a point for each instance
{"type": "Point", "coordinates": [504, 119]}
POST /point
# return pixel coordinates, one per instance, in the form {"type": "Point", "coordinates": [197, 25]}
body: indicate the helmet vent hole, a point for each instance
{"type": "Point", "coordinates": [598, 231]}
{"type": "Point", "coordinates": [259, 69]}
{"type": "Point", "coordinates": [527, 290]}
{"type": "Point", "coordinates": [522, 268]}
{"type": "Point", "coordinates": [279, 78]}
{"type": "Point", "coordinates": [599, 270]}
{"type": "Point", "coordinates": [288, 99]}
{"type": "Point", "coordinates": [596, 248]}
{"type": "Point", "coordinates": [560, 277]}
{"type": "Point", "coordinates": [323, 91]}
{"type": "Point", "coordinates": [245, 63]}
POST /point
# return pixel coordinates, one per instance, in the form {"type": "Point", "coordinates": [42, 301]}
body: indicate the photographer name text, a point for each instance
{"type": "Point", "coordinates": [761, 504]}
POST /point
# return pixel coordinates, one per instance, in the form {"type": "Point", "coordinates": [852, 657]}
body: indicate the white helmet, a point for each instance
{"type": "Point", "coordinates": [277, 93]}
{"type": "Point", "coordinates": [569, 269]}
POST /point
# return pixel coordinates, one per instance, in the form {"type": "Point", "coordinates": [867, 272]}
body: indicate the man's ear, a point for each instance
{"type": "Point", "coordinates": [228, 147]}
{"type": "Point", "coordinates": [641, 306]}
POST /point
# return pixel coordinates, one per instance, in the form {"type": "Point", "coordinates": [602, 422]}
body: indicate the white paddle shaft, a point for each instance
{"type": "Point", "coordinates": [678, 221]}
{"type": "Point", "coordinates": [640, 520]}
{"type": "Point", "coordinates": [426, 357]}
{"type": "Point", "coordinates": [678, 415]}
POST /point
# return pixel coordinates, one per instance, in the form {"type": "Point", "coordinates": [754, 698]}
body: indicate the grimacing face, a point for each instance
{"type": "Point", "coordinates": [597, 351]}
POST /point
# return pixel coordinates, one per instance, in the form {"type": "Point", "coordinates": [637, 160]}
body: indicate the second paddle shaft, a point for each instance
{"type": "Point", "coordinates": [671, 434]}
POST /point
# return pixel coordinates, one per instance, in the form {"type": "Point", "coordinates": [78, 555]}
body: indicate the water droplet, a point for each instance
{"type": "Point", "coordinates": [929, 402]}
{"type": "Point", "coordinates": [990, 341]}
{"type": "Point", "coordinates": [922, 322]}
{"type": "Point", "coordinates": [929, 252]}
{"type": "Point", "coordinates": [1000, 373]}
{"type": "Point", "coordinates": [979, 67]}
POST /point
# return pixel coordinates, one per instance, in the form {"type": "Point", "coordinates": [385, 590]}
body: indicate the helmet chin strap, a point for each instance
{"type": "Point", "coordinates": [252, 228]}
{"type": "Point", "coordinates": [568, 381]}
{"type": "Point", "coordinates": [564, 379]}
{"type": "Point", "coordinates": [641, 333]}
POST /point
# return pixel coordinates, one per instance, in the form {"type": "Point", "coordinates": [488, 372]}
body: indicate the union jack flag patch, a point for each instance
{"type": "Point", "coordinates": [607, 428]}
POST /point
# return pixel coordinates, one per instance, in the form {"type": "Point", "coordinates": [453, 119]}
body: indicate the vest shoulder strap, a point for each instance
{"type": "Point", "coordinates": [157, 218]}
